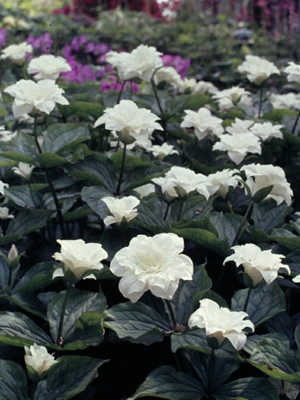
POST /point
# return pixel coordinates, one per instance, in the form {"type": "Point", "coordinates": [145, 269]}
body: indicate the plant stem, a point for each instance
{"type": "Point", "coordinates": [52, 190]}
{"type": "Point", "coordinates": [180, 208]}
{"type": "Point", "coordinates": [121, 91]}
{"type": "Point", "coordinates": [171, 314]}
{"type": "Point", "coordinates": [260, 101]}
{"type": "Point", "coordinates": [121, 171]}
{"type": "Point", "coordinates": [247, 299]}
{"type": "Point", "coordinates": [296, 123]}
{"type": "Point", "coordinates": [210, 368]}
{"type": "Point", "coordinates": [167, 210]}
{"type": "Point", "coordinates": [156, 96]}
{"type": "Point", "coordinates": [240, 230]}
{"type": "Point", "coordinates": [59, 339]}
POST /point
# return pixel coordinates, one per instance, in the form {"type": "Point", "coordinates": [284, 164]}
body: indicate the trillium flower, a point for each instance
{"type": "Point", "coordinates": [239, 126]}
{"type": "Point", "coordinates": [38, 358]}
{"type": "Point", "coordinates": [187, 84]}
{"type": "Point", "coordinates": [180, 181]}
{"type": "Point", "coordinates": [287, 101]}
{"type": "Point", "coordinates": [3, 186]}
{"type": "Point", "coordinates": [203, 122]}
{"type": "Point", "coordinates": [120, 208]}
{"type": "Point", "coordinates": [221, 181]}
{"type": "Point", "coordinates": [152, 263]}
{"type": "Point", "coordinates": [162, 151]}
{"type": "Point", "coordinates": [261, 176]}
{"type": "Point", "coordinates": [4, 213]}
{"type": "Point", "coordinates": [24, 170]}
{"type": "Point", "coordinates": [293, 72]}
{"type": "Point", "coordinates": [238, 146]}
{"type": "Point", "coordinates": [258, 264]}
{"type": "Point", "coordinates": [16, 52]}
{"type": "Point", "coordinates": [267, 131]}
{"type": "Point", "coordinates": [221, 323]}
{"type": "Point", "coordinates": [131, 123]}
{"type": "Point", "coordinates": [79, 258]}
{"type": "Point", "coordinates": [235, 96]}
{"type": "Point", "coordinates": [296, 279]}
{"type": "Point", "coordinates": [169, 75]}
{"type": "Point", "coordinates": [257, 69]}
{"type": "Point", "coordinates": [203, 87]}
{"type": "Point", "coordinates": [31, 97]}
{"type": "Point", "coordinates": [5, 135]}
{"type": "Point", "coordinates": [145, 190]}
{"type": "Point", "coordinates": [47, 66]}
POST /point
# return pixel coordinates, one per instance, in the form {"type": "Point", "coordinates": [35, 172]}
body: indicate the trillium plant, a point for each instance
{"type": "Point", "coordinates": [149, 227]}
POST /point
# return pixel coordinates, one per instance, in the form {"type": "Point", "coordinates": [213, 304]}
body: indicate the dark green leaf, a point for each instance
{"type": "Point", "coordinates": [21, 148]}
{"type": "Point", "coordinates": [227, 225]}
{"type": "Point", "coordinates": [262, 193]}
{"type": "Point", "coordinates": [28, 302]}
{"type": "Point", "coordinates": [130, 161]}
{"type": "Point", "coordinates": [25, 196]}
{"type": "Point", "coordinates": [28, 221]}
{"type": "Point", "coordinates": [49, 160]}
{"type": "Point", "coordinates": [92, 195]}
{"type": "Point", "coordinates": [268, 215]}
{"type": "Point", "coordinates": [35, 278]}
{"type": "Point", "coordinates": [82, 109]}
{"type": "Point", "coordinates": [13, 382]}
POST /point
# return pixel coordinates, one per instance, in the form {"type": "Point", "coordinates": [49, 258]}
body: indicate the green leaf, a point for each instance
{"type": "Point", "coordinates": [227, 225]}
{"type": "Point", "coordinates": [49, 160]}
{"type": "Point", "coordinates": [137, 322]}
{"type": "Point", "coordinates": [268, 215]}
{"type": "Point", "coordinates": [276, 360]}
{"type": "Point", "coordinates": [78, 303]}
{"type": "Point", "coordinates": [254, 340]}
{"type": "Point", "coordinates": [28, 221]}
{"type": "Point", "coordinates": [28, 302]}
{"type": "Point", "coordinates": [62, 137]}
{"type": "Point", "coordinates": [8, 239]}
{"type": "Point", "coordinates": [166, 383]}
{"type": "Point", "coordinates": [92, 195]}
{"type": "Point", "coordinates": [292, 244]}
{"type": "Point", "coordinates": [13, 382]}
{"type": "Point", "coordinates": [82, 109]}
{"type": "Point", "coordinates": [35, 278]}
{"type": "Point", "coordinates": [205, 239]}
{"type": "Point", "coordinates": [20, 148]}
{"type": "Point", "coordinates": [264, 302]}
{"type": "Point", "coordinates": [25, 196]}
{"type": "Point", "coordinates": [68, 377]}
{"type": "Point", "coordinates": [19, 330]}
{"type": "Point", "coordinates": [130, 161]}
{"type": "Point", "coordinates": [151, 213]}
{"type": "Point", "coordinates": [195, 101]}
{"type": "Point", "coordinates": [262, 194]}
{"type": "Point", "coordinates": [189, 293]}
{"type": "Point", "coordinates": [194, 207]}
{"type": "Point", "coordinates": [247, 389]}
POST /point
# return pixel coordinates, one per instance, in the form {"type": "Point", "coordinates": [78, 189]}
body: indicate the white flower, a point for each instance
{"type": "Point", "coordinates": [79, 258]}
{"type": "Point", "coordinates": [289, 389]}
{"type": "Point", "coordinates": [239, 126]}
{"type": "Point", "coordinates": [145, 190]}
{"type": "Point", "coordinates": [47, 66]}
{"type": "Point", "coordinates": [180, 181]}
{"type": "Point", "coordinates": [3, 186]}
{"type": "Point", "coordinates": [203, 87]}
{"type": "Point", "coordinates": [221, 181]}
{"type": "Point", "coordinates": [221, 323]}
{"type": "Point", "coordinates": [16, 52]}
{"type": "Point", "coordinates": [5, 135]}
{"type": "Point", "coordinates": [24, 170]}
{"type": "Point", "coordinates": [4, 213]}
{"type": "Point", "coordinates": [38, 358]}
{"type": "Point", "coordinates": [258, 264]}
{"type": "Point", "coordinates": [162, 151]}
{"type": "Point", "coordinates": [31, 96]}
{"type": "Point", "coordinates": [169, 75]}
{"type": "Point", "coordinates": [261, 176]}
{"type": "Point", "coordinates": [203, 122]}
{"type": "Point", "coordinates": [267, 131]}
{"type": "Point", "coordinates": [296, 279]}
{"type": "Point", "coordinates": [187, 84]}
{"type": "Point", "coordinates": [238, 146]}
{"type": "Point", "coordinates": [293, 72]}
{"type": "Point", "coordinates": [140, 63]}
{"type": "Point", "coordinates": [131, 123]}
{"type": "Point", "coordinates": [120, 208]}
{"type": "Point", "coordinates": [257, 69]}
{"type": "Point", "coordinates": [152, 263]}
{"type": "Point", "coordinates": [234, 96]}
{"type": "Point", "coordinates": [286, 101]}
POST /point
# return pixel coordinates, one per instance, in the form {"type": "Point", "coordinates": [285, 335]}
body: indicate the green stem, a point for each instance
{"type": "Point", "coordinates": [260, 101]}
{"type": "Point", "coordinates": [156, 96]}
{"type": "Point", "coordinates": [180, 208]}
{"type": "Point", "coordinates": [52, 190]}
{"type": "Point", "coordinates": [247, 299]}
{"type": "Point", "coordinates": [296, 123]}
{"type": "Point", "coordinates": [167, 210]}
{"type": "Point", "coordinates": [59, 339]}
{"type": "Point", "coordinates": [121, 91]}
{"type": "Point", "coordinates": [121, 171]}
{"type": "Point", "coordinates": [210, 369]}
{"type": "Point", "coordinates": [240, 230]}
{"type": "Point", "coordinates": [171, 314]}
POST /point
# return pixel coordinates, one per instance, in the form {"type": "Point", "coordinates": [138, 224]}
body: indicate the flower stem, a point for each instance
{"type": "Point", "coordinates": [240, 230]}
{"type": "Point", "coordinates": [52, 190]}
{"type": "Point", "coordinates": [210, 369]}
{"type": "Point", "coordinates": [180, 208]}
{"type": "Point", "coordinates": [121, 171]}
{"type": "Point", "coordinates": [247, 299]}
{"type": "Point", "coordinates": [167, 210]}
{"type": "Point", "coordinates": [171, 314]}
{"type": "Point", "coordinates": [296, 123]}
{"type": "Point", "coordinates": [260, 101]}
{"type": "Point", "coordinates": [121, 91]}
{"type": "Point", "coordinates": [156, 96]}
{"type": "Point", "coordinates": [59, 339]}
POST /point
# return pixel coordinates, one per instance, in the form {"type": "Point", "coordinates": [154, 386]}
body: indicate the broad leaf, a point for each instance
{"type": "Point", "coordinates": [28, 221]}
{"type": "Point", "coordinates": [93, 195]}
{"type": "Point", "coordinates": [13, 382]}
{"type": "Point", "coordinates": [264, 302]}
{"type": "Point", "coordinates": [82, 109]}
{"type": "Point", "coordinates": [21, 148]}
{"type": "Point", "coordinates": [268, 215]}
{"type": "Point", "coordinates": [35, 278]}
{"type": "Point", "coordinates": [227, 225]}
{"type": "Point", "coordinates": [25, 196]}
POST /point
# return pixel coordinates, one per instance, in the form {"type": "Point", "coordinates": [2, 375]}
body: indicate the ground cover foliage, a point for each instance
{"type": "Point", "coordinates": [214, 223]}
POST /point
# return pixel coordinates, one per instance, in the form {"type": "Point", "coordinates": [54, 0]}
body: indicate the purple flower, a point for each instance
{"type": "Point", "coordinates": [181, 65]}
{"type": "Point", "coordinates": [79, 73]}
{"type": "Point", "coordinates": [3, 35]}
{"type": "Point", "coordinates": [41, 43]}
